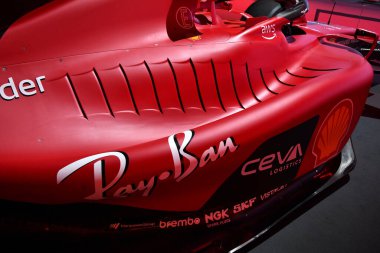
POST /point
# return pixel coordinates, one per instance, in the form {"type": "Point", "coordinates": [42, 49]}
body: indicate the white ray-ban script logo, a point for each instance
{"type": "Point", "coordinates": [185, 163]}
{"type": "Point", "coordinates": [98, 171]}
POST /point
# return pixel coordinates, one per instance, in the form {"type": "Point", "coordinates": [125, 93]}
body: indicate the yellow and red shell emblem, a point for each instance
{"type": "Point", "coordinates": [333, 131]}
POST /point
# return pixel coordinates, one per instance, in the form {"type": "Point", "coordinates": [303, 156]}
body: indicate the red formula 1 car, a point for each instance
{"type": "Point", "coordinates": [137, 119]}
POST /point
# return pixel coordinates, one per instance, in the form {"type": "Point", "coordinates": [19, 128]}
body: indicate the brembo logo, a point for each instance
{"type": "Point", "coordinates": [185, 163]}
{"type": "Point", "coordinates": [275, 162]}
{"type": "Point", "coordinates": [10, 91]}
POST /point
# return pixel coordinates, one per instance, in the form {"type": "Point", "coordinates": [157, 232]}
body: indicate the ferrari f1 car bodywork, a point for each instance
{"type": "Point", "coordinates": [170, 115]}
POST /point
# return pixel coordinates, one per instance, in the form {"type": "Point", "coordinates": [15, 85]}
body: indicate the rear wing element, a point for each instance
{"type": "Point", "coordinates": [362, 40]}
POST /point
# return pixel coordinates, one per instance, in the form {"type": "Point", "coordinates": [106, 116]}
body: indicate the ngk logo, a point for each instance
{"type": "Point", "coordinates": [217, 216]}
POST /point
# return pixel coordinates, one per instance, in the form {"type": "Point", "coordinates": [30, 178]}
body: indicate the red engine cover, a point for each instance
{"type": "Point", "coordinates": [98, 103]}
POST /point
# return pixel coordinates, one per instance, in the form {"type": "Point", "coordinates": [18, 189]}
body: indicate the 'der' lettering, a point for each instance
{"type": "Point", "coordinates": [10, 91]}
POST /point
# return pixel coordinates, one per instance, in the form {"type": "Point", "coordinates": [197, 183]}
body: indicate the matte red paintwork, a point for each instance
{"type": "Point", "coordinates": [115, 82]}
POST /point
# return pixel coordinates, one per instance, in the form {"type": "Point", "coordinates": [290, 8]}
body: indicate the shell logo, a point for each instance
{"type": "Point", "coordinates": [332, 132]}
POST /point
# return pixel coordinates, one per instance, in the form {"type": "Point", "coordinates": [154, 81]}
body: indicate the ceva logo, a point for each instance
{"type": "Point", "coordinates": [273, 161]}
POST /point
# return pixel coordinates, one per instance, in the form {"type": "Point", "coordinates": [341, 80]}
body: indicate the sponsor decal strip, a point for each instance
{"type": "Point", "coordinates": [209, 219]}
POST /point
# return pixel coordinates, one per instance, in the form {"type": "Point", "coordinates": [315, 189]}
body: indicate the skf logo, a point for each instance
{"type": "Point", "coordinates": [185, 18]}
{"type": "Point", "coordinates": [268, 31]}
